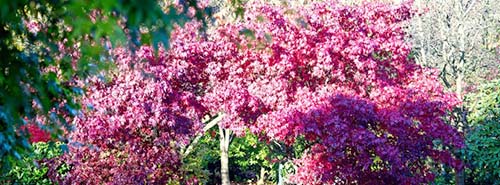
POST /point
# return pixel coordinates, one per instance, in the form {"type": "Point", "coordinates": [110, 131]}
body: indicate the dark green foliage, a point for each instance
{"type": "Point", "coordinates": [483, 139]}
{"type": "Point", "coordinates": [26, 88]}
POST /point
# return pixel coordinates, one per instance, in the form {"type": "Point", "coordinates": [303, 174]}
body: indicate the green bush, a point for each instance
{"type": "Point", "coordinates": [483, 138]}
{"type": "Point", "coordinates": [31, 169]}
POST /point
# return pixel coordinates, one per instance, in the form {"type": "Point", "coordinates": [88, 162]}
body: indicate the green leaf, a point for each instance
{"type": "Point", "coordinates": [248, 33]}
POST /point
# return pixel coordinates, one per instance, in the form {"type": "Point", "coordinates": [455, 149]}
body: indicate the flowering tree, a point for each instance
{"type": "Point", "coordinates": [337, 76]}
{"type": "Point", "coordinates": [136, 123]}
{"type": "Point", "coordinates": [341, 77]}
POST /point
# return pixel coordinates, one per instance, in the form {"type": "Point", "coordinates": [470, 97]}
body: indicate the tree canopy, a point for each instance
{"type": "Point", "coordinates": [338, 76]}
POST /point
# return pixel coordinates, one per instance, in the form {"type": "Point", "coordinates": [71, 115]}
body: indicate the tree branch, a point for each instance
{"type": "Point", "coordinates": [209, 124]}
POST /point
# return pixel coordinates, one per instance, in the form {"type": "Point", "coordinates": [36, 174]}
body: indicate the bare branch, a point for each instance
{"type": "Point", "coordinates": [209, 124]}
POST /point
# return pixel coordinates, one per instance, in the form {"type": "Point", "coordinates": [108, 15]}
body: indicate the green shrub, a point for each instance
{"type": "Point", "coordinates": [483, 138]}
{"type": "Point", "coordinates": [31, 169]}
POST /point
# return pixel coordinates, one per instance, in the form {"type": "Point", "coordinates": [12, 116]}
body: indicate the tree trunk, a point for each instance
{"type": "Point", "coordinates": [262, 176]}
{"type": "Point", "coordinates": [459, 86]}
{"type": "Point", "coordinates": [280, 174]}
{"type": "Point", "coordinates": [225, 139]}
{"type": "Point", "coordinates": [460, 175]}
{"type": "Point", "coordinates": [462, 123]}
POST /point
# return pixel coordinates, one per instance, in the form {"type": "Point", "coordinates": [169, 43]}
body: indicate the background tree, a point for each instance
{"type": "Point", "coordinates": [459, 37]}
